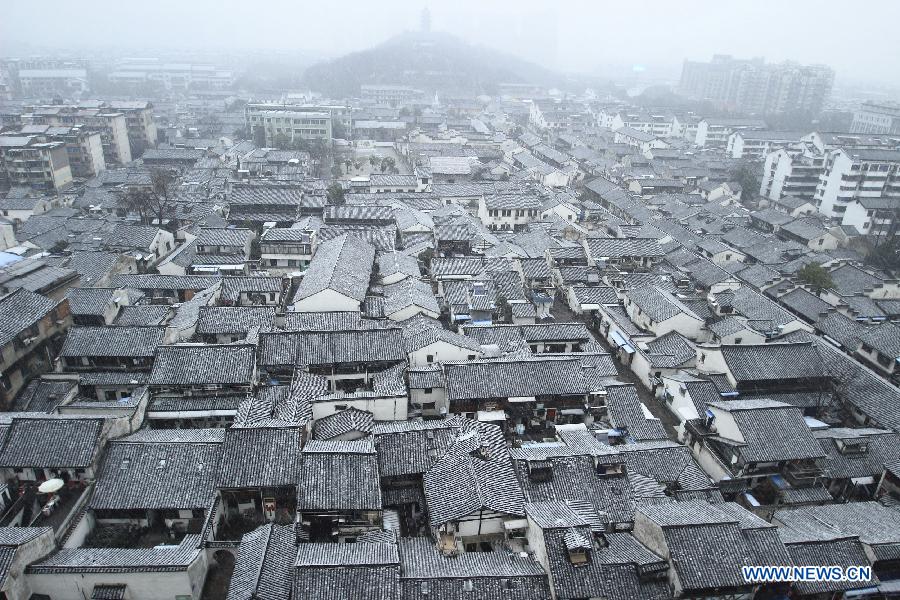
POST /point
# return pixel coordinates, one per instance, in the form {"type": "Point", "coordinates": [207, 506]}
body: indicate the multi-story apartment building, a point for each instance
{"type": "Point", "coordinates": [111, 126]}
{"type": "Point", "coordinates": [26, 161]}
{"type": "Point", "coordinates": [142, 132]}
{"type": "Point", "coordinates": [876, 117]}
{"type": "Point", "coordinates": [393, 95]}
{"type": "Point", "coordinates": [792, 171]}
{"type": "Point", "coordinates": [855, 173]}
{"type": "Point", "coordinates": [285, 250]}
{"type": "Point", "coordinates": [289, 121]}
{"type": "Point", "coordinates": [46, 77]}
{"type": "Point", "coordinates": [714, 132]}
{"type": "Point", "coordinates": [878, 218]}
{"type": "Point", "coordinates": [752, 86]}
{"type": "Point", "coordinates": [138, 73]}
{"type": "Point", "coordinates": [756, 144]}
{"type": "Point", "coordinates": [84, 148]}
{"type": "Point", "coordinates": [656, 124]}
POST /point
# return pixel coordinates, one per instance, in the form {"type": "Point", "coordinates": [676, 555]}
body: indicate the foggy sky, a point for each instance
{"type": "Point", "coordinates": [598, 37]}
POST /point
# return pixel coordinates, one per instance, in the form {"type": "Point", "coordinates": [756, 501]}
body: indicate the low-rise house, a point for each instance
{"type": "Point", "coordinates": [662, 468]}
{"type": "Point", "coordinates": [221, 250]}
{"type": "Point", "coordinates": [667, 354]}
{"type": "Point", "coordinates": [851, 534]}
{"type": "Point", "coordinates": [394, 267]}
{"type": "Point", "coordinates": [811, 232]}
{"type": "Point", "coordinates": [166, 289]}
{"type": "Point", "coordinates": [686, 396]}
{"type": "Point", "coordinates": [660, 312]}
{"type": "Point", "coordinates": [227, 324]}
{"type": "Point", "coordinates": [339, 493]}
{"type": "Point", "coordinates": [857, 459]}
{"type": "Point", "coordinates": [349, 359]}
{"type": "Point", "coordinates": [879, 347]}
{"type": "Point", "coordinates": [31, 328]}
{"type": "Point", "coordinates": [38, 275]}
{"type": "Point", "coordinates": [334, 571]}
{"type": "Point", "coordinates": [22, 546]}
{"type": "Point", "coordinates": [427, 573]}
{"type": "Point", "coordinates": [706, 545]}
{"type": "Point", "coordinates": [510, 213]}
{"type": "Point", "coordinates": [37, 449]}
{"type": "Point", "coordinates": [254, 290]}
{"type": "Point", "coordinates": [760, 313]}
{"type": "Point", "coordinates": [163, 479]}
{"type": "Point", "coordinates": [719, 252]}
{"type": "Point", "coordinates": [346, 425]}
{"type": "Point", "coordinates": [556, 338]}
{"type": "Point", "coordinates": [187, 368]}
{"type": "Point", "coordinates": [286, 250]}
{"type": "Point", "coordinates": [149, 243]}
{"type": "Point", "coordinates": [337, 278]}
{"type": "Point", "coordinates": [257, 478]}
{"type": "Point", "coordinates": [527, 393]}
{"type": "Point", "coordinates": [583, 561]}
{"type": "Point", "coordinates": [111, 348]}
{"type": "Point", "coordinates": [98, 306]}
{"type": "Point", "coordinates": [623, 252]}
{"type": "Point", "coordinates": [646, 187]}
{"type": "Point", "coordinates": [406, 450]}
{"type": "Point", "coordinates": [264, 564]}
{"type": "Point", "coordinates": [753, 440]}
{"type": "Point", "coordinates": [157, 573]}
{"type": "Point", "coordinates": [408, 298]}
{"type": "Point", "coordinates": [588, 299]}
{"type": "Point", "coordinates": [733, 331]}
{"type": "Point", "coordinates": [472, 490]}
{"type": "Point", "coordinates": [428, 342]}
{"type": "Point", "coordinates": [761, 369]}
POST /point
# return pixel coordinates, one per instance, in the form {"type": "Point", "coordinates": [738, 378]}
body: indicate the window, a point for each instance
{"type": "Point", "coordinates": [430, 358]}
{"type": "Point", "coordinates": [468, 584]}
{"type": "Point", "coordinates": [427, 390]}
{"type": "Point", "coordinates": [471, 357]}
{"type": "Point", "coordinates": [737, 340]}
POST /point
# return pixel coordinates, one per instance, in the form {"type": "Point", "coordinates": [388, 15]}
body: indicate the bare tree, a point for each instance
{"type": "Point", "coordinates": [154, 203]}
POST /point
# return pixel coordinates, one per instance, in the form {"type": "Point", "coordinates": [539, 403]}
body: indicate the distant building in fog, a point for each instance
{"type": "Point", "coordinates": [752, 86]}
{"type": "Point", "coordinates": [876, 117]}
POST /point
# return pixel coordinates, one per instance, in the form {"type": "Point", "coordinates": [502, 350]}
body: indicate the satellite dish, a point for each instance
{"type": "Point", "coordinates": [51, 485]}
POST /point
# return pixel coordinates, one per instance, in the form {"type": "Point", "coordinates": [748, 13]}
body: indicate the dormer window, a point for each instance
{"type": "Point", "coordinates": [539, 470]}
{"type": "Point", "coordinates": [578, 547]}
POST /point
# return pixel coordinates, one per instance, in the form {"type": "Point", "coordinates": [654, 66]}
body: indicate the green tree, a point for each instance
{"type": "Point", "coordinates": [816, 277]}
{"type": "Point", "coordinates": [336, 171]}
{"type": "Point", "coordinates": [259, 136]}
{"type": "Point", "coordinates": [747, 174]}
{"type": "Point", "coordinates": [388, 165]}
{"type": "Point", "coordinates": [335, 194]}
{"type": "Point", "coordinates": [504, 309]}
{"type": "Point", "coordinates": [886, 255]}
{"type": "Point", "coordinates": [281, 141]}
{"type": "Point", "coordinates": [426, 257]}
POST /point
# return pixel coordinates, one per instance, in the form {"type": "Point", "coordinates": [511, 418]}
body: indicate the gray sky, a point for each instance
{"type": "Point", "coordinates": [573, 35]}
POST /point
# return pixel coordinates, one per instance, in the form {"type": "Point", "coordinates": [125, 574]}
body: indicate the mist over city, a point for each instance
{"type": "Point", "coordinates": [449, 300]}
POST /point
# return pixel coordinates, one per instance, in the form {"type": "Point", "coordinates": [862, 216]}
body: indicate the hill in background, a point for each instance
{"type": "Point", "coordinates": [430, 61]}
